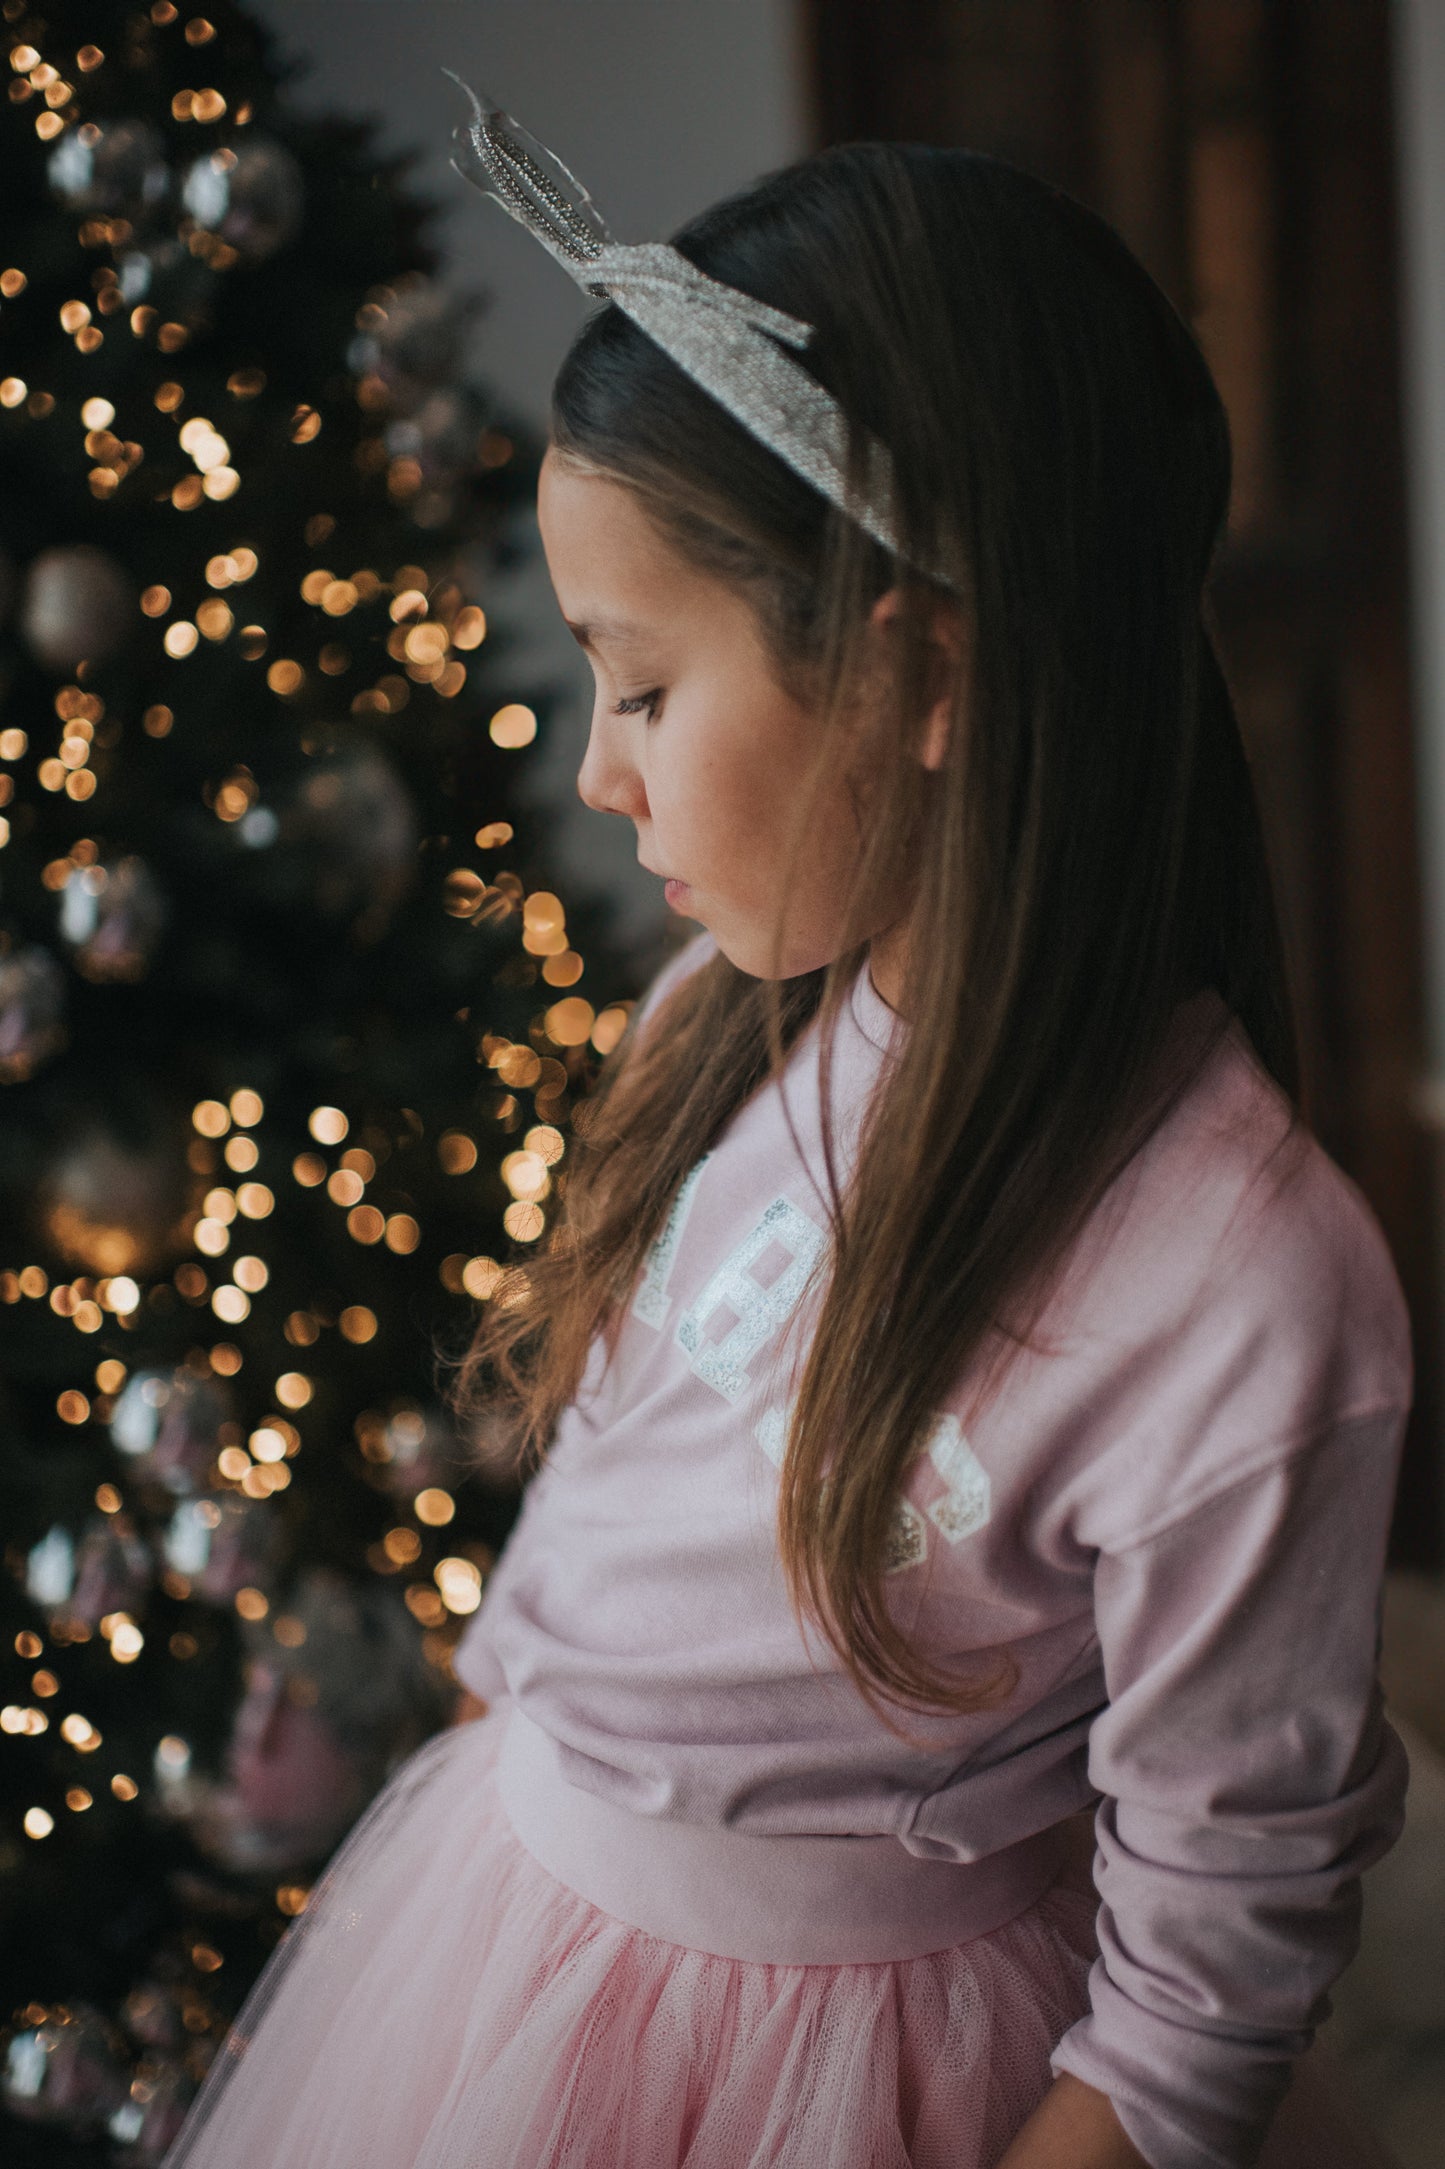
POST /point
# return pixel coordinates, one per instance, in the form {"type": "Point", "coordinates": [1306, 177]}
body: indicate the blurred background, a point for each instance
{"type": "Point", "coordinates": [293, 1016]}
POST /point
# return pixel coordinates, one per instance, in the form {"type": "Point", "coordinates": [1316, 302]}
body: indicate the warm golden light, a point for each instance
{"type": "Point", "coordinates": [513, 726]}
{"type": "Point", "coordinates": [293, 1389]}
{"type": "Point", "coordinates": [231, 1305]}
{"type": "Point", "coordinates": [480, 1277]}
{"type": "Point", "coordinates": [328, 1125]}
{"type": "Point", "coordinates": [460, 1584]}
{"type": "Point", "coordinates": [255, 1200]}
{"type": "Point", "coordinates": [252, 1604]}
{"type": "Point", "coordinates": [181, 638]}
{"type": "Point", "coordinates": [38, 1824]}
{"type": "Point", "coordinates": [12, 391]}
{"type": "Point", "coordinates": [357, 1323]}
{"type": "Point", "coordinates": [456, 1152]}
{"type": "Point", "coordinates": [285, 677]}
{"type": "Point", "coordinates": [434, 1507]}
{"type": "Point", "coordinates": [156, 601]}
{"type": "Point", "coordinates": [247, 1107]}
{"type": "Point", "coordinates": [525, 1174]}
{"type": "Point", "coordinates": [569, 1023]}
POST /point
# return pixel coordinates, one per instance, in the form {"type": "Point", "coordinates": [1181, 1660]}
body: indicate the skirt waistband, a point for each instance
{"type": "Point", "coordinates": [780, 1900]}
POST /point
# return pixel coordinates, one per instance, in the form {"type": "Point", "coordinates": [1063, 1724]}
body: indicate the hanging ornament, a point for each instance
{"type": "Point", "coordinates": [420, 1452]}
{"type": "Point", "coordinates": [50, 1568]}
{"type": "Point", "coordinates": [352, 824]}
{"type": "Point", "coordinates": [111, 169]}
{"type": "Point", "coordinates": [441, 434]}
{"type": "Point", "coordinates": [66, 2070]}
{"type": "Point", "coordinates": [115, 1203]}
{"type": "Point", "coordinates": [223, 1545]}
{"type": "Point", "coordinates": [165, 273]}
{"type": "Point", "coordinates": [147, 2122]}
{"type": "Point", "coordinates": [77, 607]}
{"type": "Point", "coordinates": [32, 1011]}
{"type": "Point", "coordinates": [170, 1424]}
{"type": "Point", "coordinates": [251, 197]}
{"type": "Point", "coordinates": [112, 916]}
{"type": "Point", "coordinates": [414, 340]}
{"type": "Point", "coordinates": [327, 1713]}
{"type": "Point", "coordinates": [112, 1571]}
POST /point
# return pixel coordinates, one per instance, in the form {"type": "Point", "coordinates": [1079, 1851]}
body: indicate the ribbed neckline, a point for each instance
{"type": "Point", "coordinates": [881, 1026]}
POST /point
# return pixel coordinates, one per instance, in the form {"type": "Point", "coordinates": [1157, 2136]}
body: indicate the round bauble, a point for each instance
{"type": "Point", "coordinates": [111, 169]}
{"type": "Point", "coordinates": [78, 606]}
{"type": "Point", "coordinates": [32, 1011]}
{"type": "Point", "coordinates": [252, 197]}
{"type": "Point", "coordinates": [111, 917]}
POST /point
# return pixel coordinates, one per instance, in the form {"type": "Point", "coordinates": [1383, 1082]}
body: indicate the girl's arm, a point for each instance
{"type": "Point", "coordinates": [1073, 2127]}
{"type": "Point", "coordinates": [1247, 1779]}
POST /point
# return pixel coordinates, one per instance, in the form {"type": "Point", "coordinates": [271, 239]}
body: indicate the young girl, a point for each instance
{"type": "Point", "coordinates": [973, 1394]}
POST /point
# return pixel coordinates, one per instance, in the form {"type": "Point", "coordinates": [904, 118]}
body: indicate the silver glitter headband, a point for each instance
{"type": "Point", "coordinates": [725, 340]}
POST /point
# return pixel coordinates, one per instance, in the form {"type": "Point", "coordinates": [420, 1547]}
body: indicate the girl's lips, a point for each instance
{"type": "Point", "coordinates": [676, 893]}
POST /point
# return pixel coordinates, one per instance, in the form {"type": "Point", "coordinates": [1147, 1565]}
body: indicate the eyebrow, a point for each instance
{"type": "Point", "coordinates": [615, 629]}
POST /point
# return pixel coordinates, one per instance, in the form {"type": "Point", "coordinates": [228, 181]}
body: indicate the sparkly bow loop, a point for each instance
{"type": "Point", "coordinates": [729, 343]}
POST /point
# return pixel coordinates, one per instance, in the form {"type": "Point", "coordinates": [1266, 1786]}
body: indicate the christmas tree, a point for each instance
{"type": "Point", "coordinates": [290, 1027]}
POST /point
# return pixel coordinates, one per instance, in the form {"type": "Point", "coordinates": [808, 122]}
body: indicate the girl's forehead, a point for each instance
{"type": "Point", "coordinates": [615, 574]}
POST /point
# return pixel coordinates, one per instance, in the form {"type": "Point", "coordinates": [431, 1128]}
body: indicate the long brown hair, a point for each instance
{"type": "Point", "coordinates": [1088, 856]}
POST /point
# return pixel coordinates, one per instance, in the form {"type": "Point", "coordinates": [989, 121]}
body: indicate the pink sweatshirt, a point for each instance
{"type": "Point", "coordinates": [1174, 1520]}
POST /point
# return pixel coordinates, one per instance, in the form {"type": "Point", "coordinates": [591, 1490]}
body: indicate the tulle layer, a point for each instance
{"type": "Point", "coordinates": [444, 2003]}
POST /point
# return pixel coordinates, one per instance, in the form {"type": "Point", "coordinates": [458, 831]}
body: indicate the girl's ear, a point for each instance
{"type": "Point", "coordinates": [946, 654]}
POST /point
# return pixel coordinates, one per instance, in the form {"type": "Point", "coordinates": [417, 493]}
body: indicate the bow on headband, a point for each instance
{"type": "Point", "coordinates": [729, 343]}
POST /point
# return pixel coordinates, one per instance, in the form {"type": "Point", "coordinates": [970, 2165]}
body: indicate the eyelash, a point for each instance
{"type": "Point", "coordinates": [640, 702]}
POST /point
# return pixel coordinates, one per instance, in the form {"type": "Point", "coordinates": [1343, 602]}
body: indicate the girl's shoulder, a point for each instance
{"type": "Point", "coordinates": [1232, 1298]}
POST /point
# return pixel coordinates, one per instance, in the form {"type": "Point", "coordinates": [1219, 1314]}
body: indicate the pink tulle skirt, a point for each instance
{"type": "Point", "coordinates": [445, 2003]}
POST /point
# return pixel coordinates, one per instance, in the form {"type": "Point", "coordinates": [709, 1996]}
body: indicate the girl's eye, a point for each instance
{"type": "Point", "coordinates": [640, 704]}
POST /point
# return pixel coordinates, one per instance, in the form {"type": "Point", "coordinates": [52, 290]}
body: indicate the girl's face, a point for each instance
{"type": "Point", "coordinates": [692, 738]}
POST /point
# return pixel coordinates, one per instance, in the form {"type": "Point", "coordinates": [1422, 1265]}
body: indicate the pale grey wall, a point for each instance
{"type": "Point", "coordinates": [659, 107]}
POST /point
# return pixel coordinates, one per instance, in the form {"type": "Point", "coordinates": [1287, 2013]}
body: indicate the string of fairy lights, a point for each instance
{"type": "Point", "coordinates": [236, 1167]}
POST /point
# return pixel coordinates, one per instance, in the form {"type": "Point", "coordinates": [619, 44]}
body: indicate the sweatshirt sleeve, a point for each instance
{"type": "Point", "coordinates": [474, 1660]}
{"type": "Point", "coordinates": [1248, 1777]}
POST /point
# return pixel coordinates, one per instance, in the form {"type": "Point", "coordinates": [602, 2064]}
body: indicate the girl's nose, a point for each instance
{"type": "Point", "coordinates": [608, 780]}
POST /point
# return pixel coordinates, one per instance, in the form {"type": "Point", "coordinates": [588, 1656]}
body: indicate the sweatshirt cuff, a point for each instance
{"type": "Point", "coordinates": [1186, 2099]}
